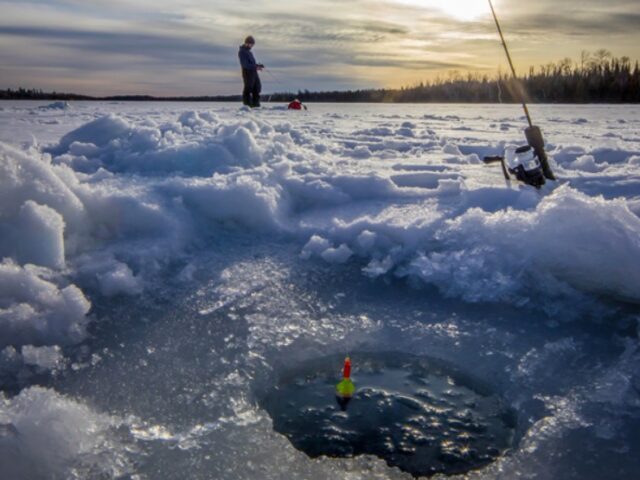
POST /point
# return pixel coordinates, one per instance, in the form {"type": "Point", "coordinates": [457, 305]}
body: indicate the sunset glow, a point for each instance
{"type": "Point", "coordinates": [460, 9]}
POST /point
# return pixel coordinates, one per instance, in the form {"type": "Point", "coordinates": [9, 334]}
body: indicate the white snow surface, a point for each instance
{"type": "Point", "coordinates": [121, 205]}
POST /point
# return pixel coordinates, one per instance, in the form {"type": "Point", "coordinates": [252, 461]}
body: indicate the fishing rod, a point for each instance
{"type": "Point", "coordinates": [513, 70]}
{"type": "Point", "coordinates": [532, 133]}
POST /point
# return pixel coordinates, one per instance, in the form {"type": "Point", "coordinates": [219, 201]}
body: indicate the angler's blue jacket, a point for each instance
{"type": "Point", "coordinates": [247, 60]}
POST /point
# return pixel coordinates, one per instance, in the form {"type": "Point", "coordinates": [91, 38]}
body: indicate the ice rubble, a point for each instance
{"type": "Point", "coordinates": [56, 106]}
{"type": "Point", "coordinates": [37, 311]}
{"type": "Point", "coordinates": [568, 240]}
{"type": "Point", "coordinates": [47, 435]}
{"type": "Point", "coordinates": [36, 206]}
{"type": "Point", "coordinates": [115, 199]}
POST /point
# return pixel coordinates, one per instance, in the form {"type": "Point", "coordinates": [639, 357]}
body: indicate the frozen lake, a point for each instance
{"type": "Point", "coordinates": [165, 264]}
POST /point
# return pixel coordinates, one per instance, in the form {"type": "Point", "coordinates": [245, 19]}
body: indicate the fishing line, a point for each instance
{"type": "Point", "coordinates": [275, 79]}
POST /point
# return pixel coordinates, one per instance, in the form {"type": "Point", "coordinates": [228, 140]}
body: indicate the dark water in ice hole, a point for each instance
{"type": "Point", "coordinates": [416, 413]}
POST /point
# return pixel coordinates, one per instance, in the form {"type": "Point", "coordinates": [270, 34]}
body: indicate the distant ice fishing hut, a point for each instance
{"type": "Point", "coordinates": [416, 413]}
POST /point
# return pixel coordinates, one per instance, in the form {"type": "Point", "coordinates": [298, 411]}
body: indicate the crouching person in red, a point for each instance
{"type": "Point", "coordinates": [296, 105]}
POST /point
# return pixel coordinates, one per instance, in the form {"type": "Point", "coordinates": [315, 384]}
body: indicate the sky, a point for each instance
{"type": "Point", "coordinates": [189, 47]}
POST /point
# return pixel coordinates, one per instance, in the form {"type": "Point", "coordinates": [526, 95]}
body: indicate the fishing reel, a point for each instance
{"type": "Point", "coordinates": [529, 163]}
{"type": "Point", "coordinates": [522, 163]}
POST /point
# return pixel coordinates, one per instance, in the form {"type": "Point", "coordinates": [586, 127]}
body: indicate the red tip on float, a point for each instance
{"type": "Point", "coordinates": [346, 373]}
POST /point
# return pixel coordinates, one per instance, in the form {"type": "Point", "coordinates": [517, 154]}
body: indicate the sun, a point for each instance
{"type": "Point", "coordinates": [465, 10]}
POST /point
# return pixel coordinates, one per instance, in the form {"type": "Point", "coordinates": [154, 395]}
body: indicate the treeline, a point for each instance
{"type": "Point", "coordinates": [35, 94]}
{"type": "Point", "coordinates": [596, 78]}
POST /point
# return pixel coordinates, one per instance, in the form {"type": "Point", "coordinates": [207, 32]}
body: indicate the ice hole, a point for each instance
{"type": "Point", "coordinates": [416, 413]}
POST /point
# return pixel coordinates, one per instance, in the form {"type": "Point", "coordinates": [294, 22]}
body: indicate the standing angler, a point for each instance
{"type": "Point", "coordinates": [250, 69]}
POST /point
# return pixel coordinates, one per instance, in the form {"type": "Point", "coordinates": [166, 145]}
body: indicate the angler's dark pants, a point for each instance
{"type": "Point", "coordinates": [252, 88]}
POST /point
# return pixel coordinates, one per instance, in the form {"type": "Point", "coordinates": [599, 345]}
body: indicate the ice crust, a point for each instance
{"type": "Point", "coordinates": [113, 199]}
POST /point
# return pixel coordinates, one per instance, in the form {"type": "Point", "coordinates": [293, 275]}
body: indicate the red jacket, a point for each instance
{"type": "Point", "coordinates": [295, 105]}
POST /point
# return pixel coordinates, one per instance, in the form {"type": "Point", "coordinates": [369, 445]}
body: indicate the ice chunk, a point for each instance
{"type": "Point", "coordinates": [99, 132]}
{"type": "Point", "coordinates": [587, 163]}
{"type": "Point", "coordinates": [47, 435]}
{"type": "Point", "coordinates": [315, 246]}
{"type": "Point", "coordinates": [119, 280]}
{"type": "Point", "coordinates": [41, 238]}
{"type": "Point", "coordinates": [337, 255]}
{"type": "Point", "coordinates": [25, 177]}
{"type": "Point", "coordinates": [56, 106]}
{"type": "Point", "coordinates": [197, 119]}
{"type": "Point", "coordinates": [243, 146]}
{"type": "Point", "coordinates": [451, 149]}
{"type": "Point", "coordinates": [34, 311]}
{"type": "Point", "coordinates": [44, 357]}
{"type": "Point", "coordinates": [367, 239]}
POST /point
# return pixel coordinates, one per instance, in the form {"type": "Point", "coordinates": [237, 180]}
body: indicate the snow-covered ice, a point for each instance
{"type": "Point", "coordinates": [162, 263]}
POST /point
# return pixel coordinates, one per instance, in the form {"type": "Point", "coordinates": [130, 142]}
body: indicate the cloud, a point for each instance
{"type": "Point", "coordinates": [580, 23]}
{"type": "Point", "coordinates": [168, 49]}
{"type": "Point", "coordinates": [391, 61]}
